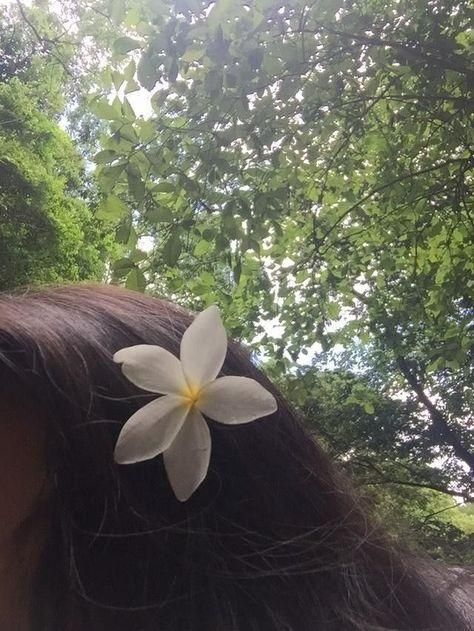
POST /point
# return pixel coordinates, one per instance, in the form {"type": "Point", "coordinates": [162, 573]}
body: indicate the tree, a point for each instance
{"type": "Point", "coordinates": [325, 146]}
{"type": "Point", "coordinates": [384, 445]}
{"type": "Point", "coordinates": [47, 231]}
{"type": "Point", "coordinates": [308, 167]}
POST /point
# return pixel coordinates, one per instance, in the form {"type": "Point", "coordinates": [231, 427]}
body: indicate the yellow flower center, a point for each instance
{"type": "Point", "coordinates": [192, 395]}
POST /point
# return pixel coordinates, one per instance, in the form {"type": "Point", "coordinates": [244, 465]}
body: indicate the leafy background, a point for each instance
{"type": "Point", "coordinates": [305, 165]}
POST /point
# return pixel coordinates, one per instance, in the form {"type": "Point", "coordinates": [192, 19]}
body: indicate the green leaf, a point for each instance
{"type": "Point", "coordinates": [164, 187]}
{"type": "Point", "coordinates": [117, 79]}
{"type": "Point", "coordinates": [127, 110]}
{"type": "Point", "coordinates": [129, 72]}
{"type": "Point", "coordinates": [222, 243]}
{"type": "Point", "coordinates": [237, 271]}
{"type": "Point", "coordinates": [147, 72]}
{"type": "Point", "coordinates": [104, 110]}
{"type": "Point", "coordinates": [138, 255]}
{"type": "Point", "coordinates": [173, 71]}
{"type": "Point", "coordinates": [122, 266]}
{"type": "Point", "coordinates": [131, 86]}
{"type": "Point", "coordinates": [128, 133]}
{"type": "Point", "coordinates": [105, 156]}
{"type": "Point", "coordinates": [272, 65]}
{"type": "Point", "coordinates": [333, 310]}
{"type": "Point", "coordinates": [193, 54]}
{"type": "Point", "coordinates": [255, 58]}
{"type": "Point", "coordinates": [172, 248]}
{"type": "Point", "coordinates": [122, 233]}
{"type": "Point", "coordinates": [146, 130]}
{"type": "Point", "coordinates": [213, 82]}
{"type": "Point", "coordinates": [178, 122]}
{"type": "Point", "coordinates": [136, 280]}
{"type": "Point", "coordinates": [161, 214]}
{"type": "Point", "coordinates": [111, 208]}
{"type": "Point", "coordinates": [369, 407]}
{"type": "Point", "coordinates": [202, 247]}
{"type": "Point", "coordinates": [136, 185]}
{"type": "Point", "coordinates": [124, 45]}
{"type": "Point", "coordinates": [109, 176]}
{"type": "Point", "coordinates": [209, 234]}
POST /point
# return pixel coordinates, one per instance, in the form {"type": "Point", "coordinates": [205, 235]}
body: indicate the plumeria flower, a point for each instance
{"type": "Point", "coordinates": [174, 424]}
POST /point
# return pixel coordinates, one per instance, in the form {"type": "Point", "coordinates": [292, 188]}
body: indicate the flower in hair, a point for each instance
{"type": "Point", "coordinates": [174, 425]}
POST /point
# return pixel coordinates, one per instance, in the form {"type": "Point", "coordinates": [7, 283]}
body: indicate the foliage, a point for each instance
{"type": "Point", "coordinates": [427, 521]}
{"type": "Point", "coordinates": [47, 230]}
{"type": "Point", "coordinates": [308, 167]}
{"type": "Point", "coordinates": [324, 146]}
{"type": "Point", "coordinates": [383, 443]}
{"type": "Point", "coordinates": [30, 60]}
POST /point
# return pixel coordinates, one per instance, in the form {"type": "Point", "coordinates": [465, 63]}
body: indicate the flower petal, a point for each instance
{"type": "Point", "coordinates": [152, 368]}
{"type": "Point", "coordinates": [187, 460]}
{"type": "Point", "coordinates": [236, 400]}
{"type": "Point", "coordinates": [203, 348]}
{"type": "Point", "coordinates": [150, 430]}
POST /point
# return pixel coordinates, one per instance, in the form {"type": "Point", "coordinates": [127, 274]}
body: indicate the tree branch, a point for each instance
{"type": "Point", "coordinates": [43, 40]}
{"type": "Point", "coordinates": [439, 422]}
{"type": "Point", "coordinates": [411, 50]}
{"type": "Point", "coordinates": [379, 189]}
{"type": "Point", "coordinates": [420, 485]}
{"type": "Point", "coordinates": [384, 479]}
{"type": "Point", "coordinates": [442, 510]}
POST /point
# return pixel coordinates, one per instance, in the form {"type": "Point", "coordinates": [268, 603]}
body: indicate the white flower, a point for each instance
{"type": "Point", "coordinates": [174, 424]}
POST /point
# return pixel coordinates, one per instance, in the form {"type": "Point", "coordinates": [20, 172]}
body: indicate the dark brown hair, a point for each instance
{"type": "Point", "coordinates": [273, 540]}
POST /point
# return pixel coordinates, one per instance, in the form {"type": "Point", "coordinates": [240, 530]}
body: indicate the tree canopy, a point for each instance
{"type": "Point", "coordinates": [317, 155]}
{"type": "Point", "coordinates": [308, 167]}
{"type": "Point", "coordinates": [47, 229]}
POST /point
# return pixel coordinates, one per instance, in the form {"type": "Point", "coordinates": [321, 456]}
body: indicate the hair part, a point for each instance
{"type": "Point", "coordinates": [273, 540]}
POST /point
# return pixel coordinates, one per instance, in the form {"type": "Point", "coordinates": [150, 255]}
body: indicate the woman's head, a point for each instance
{"type": "Point", "coordinates": [272, 540]}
